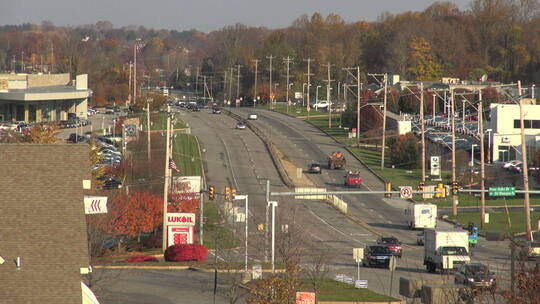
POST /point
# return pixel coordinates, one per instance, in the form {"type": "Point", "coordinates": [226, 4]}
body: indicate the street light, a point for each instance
{"type": "Point", "coordinates": [240, 197]}
{"type": "Point", "coordinates": [273, 204]}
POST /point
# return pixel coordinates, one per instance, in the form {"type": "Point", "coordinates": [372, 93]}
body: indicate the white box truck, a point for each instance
{"type": "Point", "coordinates": [445, 249]}
{"type": "Point", "coordinates": [420, 216]}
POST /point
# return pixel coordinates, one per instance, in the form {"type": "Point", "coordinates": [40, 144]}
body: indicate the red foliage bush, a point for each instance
{"type": "Point", "coordinates": [141, 258]}
{"type": "Point", "coordinates": [186, 252]}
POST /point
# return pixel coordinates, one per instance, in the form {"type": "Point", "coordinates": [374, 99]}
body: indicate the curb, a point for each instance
{"type": "Point", "coordinates": [141, 267]}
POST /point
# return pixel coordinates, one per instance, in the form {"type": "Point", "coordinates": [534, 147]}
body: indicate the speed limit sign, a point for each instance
{"type": "Point", "coordinates": [405, 192]}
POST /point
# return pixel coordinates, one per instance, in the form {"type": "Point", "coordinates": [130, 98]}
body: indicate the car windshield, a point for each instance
{"type": "Point", "coordinates": [380, 250]}
{"type": "Point", "coordinates": [354, 175]}
{"type": "Point", "coordinates": [389, 241]}
{"type": "Point", "coordinates": [453, 251]}
{"type": "Point", "coordinates": [478, 269]}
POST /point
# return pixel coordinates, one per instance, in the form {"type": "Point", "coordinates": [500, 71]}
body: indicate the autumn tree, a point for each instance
{"type": "Point", "coordinates": [422, 62]}
{"type": "Point", "coordinates": [134, 213]}
{"type": "Point", "coordinates": [404, 151]}
{"type": "Point", "coordinates": [42, 134]}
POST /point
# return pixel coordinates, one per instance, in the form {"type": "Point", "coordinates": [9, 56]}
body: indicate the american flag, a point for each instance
{"type": "Point", "coordinates": [172, 165]}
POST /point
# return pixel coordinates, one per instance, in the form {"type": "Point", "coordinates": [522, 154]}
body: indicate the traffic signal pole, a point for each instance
{"type": "Point", "coordinates": [482, 169]}
{"type": "Point", "coordinates": [454, 182]}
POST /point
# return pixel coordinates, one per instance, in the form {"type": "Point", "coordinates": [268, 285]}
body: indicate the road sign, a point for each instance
{"type": "Point", "coordinates": [358, 254]}
{"type": "Point", "coordinates": [405, 191]}
{"type": "Point", "coordinates": [257, 272]}
{"type": "Point", "coordinates": [435, 166]}
{"type": "Point", "coordinates": [95, 204]}
{"type": "Point", "coordinates": [502, 191]}
{"type": "Point", "coordinates": [361, 284]}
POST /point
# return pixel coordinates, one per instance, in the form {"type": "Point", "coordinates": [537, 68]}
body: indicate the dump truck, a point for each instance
{"type": "Point", "coordinates": [445, 249]}
{"type": "Point", "coordinates": [421, 216]}
{"type": "Point", "coordinates": [336, 160]}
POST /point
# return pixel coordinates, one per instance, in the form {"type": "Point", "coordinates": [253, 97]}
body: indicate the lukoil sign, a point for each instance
{"type": "Point", "coordinates": [180, 219]}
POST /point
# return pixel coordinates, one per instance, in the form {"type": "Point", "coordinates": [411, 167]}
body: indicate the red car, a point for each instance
{"type": "Point", "coordinates": [393, 244]}
{"type": "Point", "coordinates": [353, 179]}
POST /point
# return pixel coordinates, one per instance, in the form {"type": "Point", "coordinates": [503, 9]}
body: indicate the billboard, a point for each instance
{"type": "Point", "coordinates": [190, 185]}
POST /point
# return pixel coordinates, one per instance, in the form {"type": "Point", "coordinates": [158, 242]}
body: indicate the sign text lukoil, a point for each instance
{"type": "Point", "coordinates": [180, 219]}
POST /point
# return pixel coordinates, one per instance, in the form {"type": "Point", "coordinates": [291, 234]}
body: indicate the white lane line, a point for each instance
{"type": "Point", "coordinates": [339, 231]}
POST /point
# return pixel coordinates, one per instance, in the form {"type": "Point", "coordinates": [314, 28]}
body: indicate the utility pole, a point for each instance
{"type": "Point", "coordinates": [238, 81]}
{"type": "Point", "coordinates": [328, 88]}
{"type": "Point", "coordinates": [434, 100]}
{"type": "Point", "coordinates": [270, 88]}
{"type": "Point", "coordinates": [309, 60]}
{"type": "Point", "coordinates": [148, 123]}
{"type": "Point", "coordinates": [22, 62]}
{"type": "Point", "coordinates": [204, 87]}
{"type": "Point", "coordinates": [524, 168]}
{"type": "Point", "coordinates": [256, 74]}
{"type": "Point", "coordinates": [197, 83]}
{"type": "Point", "coordinates": [130, 66]}
{"type": "Point", "coordinates": [166, 179]}
{"type": "Point", "coordinates": [225, 87]}
{"type": "Point", "coordinates": [482, 168]}
{"type": "Point", "coordinates": [452, 112]}
{"type": "Point", "coordinates": [230, 84]}
{"type": "Point", "coordinates": [288, 62]}
{"type": "Point", "coordinates": [384, 120]}
{"type": "Point", "coordinates": [135, 48]}
{"type": "Point", "coordinates": [423, 139]}
{"type": "Point", "coordinates": [358, 92]}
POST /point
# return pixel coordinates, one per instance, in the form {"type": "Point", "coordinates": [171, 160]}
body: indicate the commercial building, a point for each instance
{"type": "Point", "coordinates": [42, 97]}
{"type": "Point", "coordinates": [505, 134]}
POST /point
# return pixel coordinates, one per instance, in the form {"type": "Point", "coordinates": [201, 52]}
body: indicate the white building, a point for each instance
{"type": "Point", "coordinates": [506, 130]}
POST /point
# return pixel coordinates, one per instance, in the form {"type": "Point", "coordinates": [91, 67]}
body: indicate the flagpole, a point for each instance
{"type": "Point", "coordinates": [166, 179]}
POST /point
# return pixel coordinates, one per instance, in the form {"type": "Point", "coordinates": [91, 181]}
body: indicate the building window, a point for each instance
{"type": "Point", "coordinates": [528, 123]}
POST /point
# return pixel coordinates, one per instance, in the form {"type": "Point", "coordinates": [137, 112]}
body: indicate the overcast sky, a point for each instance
{"type": "Point", "coordinates": [203, 15]}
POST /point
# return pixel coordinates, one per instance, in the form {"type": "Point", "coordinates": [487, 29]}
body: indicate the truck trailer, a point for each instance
{"type": "Point", "coordinates": [421, 216]}
{"type": "Point", "coordinates": [445, 249]}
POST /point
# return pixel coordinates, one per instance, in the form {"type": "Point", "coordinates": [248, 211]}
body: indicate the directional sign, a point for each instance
{"type": "Point", "coordinates": [95, 204]}
{"type": "Point", "coordinates": [361, 283]}
{"type": "Point", "coordinates": [405, 192]}
{"type": "Point", "coordinates": [358, 254]}
{"type": "Point", "coordinates": [502, 191]}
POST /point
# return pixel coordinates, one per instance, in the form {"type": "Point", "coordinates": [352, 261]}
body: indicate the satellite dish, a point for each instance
{"type": "Point", "coordinates": [483, 78]}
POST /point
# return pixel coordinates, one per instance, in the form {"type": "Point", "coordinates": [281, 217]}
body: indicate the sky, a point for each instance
{"type": "Point", "coordinates": [203, 15]}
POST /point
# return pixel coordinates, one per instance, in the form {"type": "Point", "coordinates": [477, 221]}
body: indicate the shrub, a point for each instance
{"type": "Point", "coordinates": [141, 258]}
{"type": "Point", "coordinates": [186, 252]}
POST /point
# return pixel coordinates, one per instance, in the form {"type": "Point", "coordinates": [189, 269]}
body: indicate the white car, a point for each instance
{"type": "Point", "coordinates": [241, 125]}
{"type": "Point", "coordinates": [252, 116]}
{"type": "Point", "coordinates": [320, 104]}
{"type": "Point", "coordinates": [511, 164]}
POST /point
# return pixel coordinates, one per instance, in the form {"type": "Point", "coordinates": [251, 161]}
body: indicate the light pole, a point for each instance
{"type": "Point", "coordinates": [288, 100]}
{"type": "Point", "coordinates": [275, 91]}
{"type": "Point", "coordinates": [317, 95]}
{"type": "Point", "coordinates": [273, 204]}
{"type": "Point", "coordinates": [303, 93]}
{"type": "Point", "coordinates": [489, 144]}
{"type": "Point", "coordinates": [240, 197]}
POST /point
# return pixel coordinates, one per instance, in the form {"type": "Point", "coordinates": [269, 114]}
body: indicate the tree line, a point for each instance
{"type": "Point", "coordinates": [497, 38]}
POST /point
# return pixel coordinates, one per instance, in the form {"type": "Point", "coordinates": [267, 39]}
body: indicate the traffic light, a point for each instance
{"type": "Point", "coordinates": [227, 193]}
{"type": "Point", "coordinates": [441, 191]}
{"type": "Point", "coordinates": [233, 193]}
{"type": "Point", "coordinates": [211, 193]}
{"type": "Point", "coordinates": [455, 188]}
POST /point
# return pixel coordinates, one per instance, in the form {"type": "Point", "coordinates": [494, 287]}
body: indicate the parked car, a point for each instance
{"type": "Point", "coordinates": [74, 138]}
{"type": "Point", "coordinates": [195, 109]}
{"type": "Point", "coordinates": [475, 275]}
{"type": "Point", "coordinates": [511, 164]}
{"type": "Point", "coordinates": [376, 255]}
{"type": "Point", "coordinates": [393, 244]}
{"type": "Point", "coordinates": [216, 111]}
{"type": "Point", "coordinates": [252, 116]}
{"type": "Point", "coordinates": [241, 125]}
{"type": "Point", "coordinates": [320, 104]}
{"type": "Point", "coordinates": [353, 179]}
{"type": "Point", "coordinates": [315, 168]}
{"type": "Point", "coordinates": [111, 183]}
